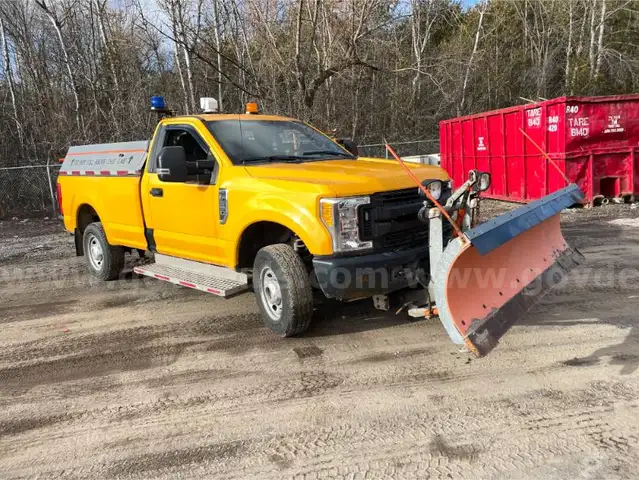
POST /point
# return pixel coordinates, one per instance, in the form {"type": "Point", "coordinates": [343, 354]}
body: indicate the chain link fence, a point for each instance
{"type": "Point", "coordinates": [403, 149]}
{"type": "Point", "coordinates": [28, 191]}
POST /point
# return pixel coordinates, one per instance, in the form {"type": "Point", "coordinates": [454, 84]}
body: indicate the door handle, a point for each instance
{"type": "Point", "coordinates": [157, 192]}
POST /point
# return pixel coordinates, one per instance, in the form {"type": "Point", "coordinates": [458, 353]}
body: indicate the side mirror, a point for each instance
{"type": "Point", "coordinates": [205, 167]}
{"type": "Point", "coordinates": [172, 165]}
{"type": "Point", "coordinates": [349, 144]}
{"type": "Point", "coordinates": [206, 170]}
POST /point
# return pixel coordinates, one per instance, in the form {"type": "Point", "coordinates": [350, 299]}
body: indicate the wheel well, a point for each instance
{"type": "Point", "coordinates": [86, 215]}
{"type": "Point", "coordinates": [257, 236]}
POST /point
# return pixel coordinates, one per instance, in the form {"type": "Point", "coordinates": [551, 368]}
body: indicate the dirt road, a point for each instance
{"type": "Point", "coordinates": [138, 378]}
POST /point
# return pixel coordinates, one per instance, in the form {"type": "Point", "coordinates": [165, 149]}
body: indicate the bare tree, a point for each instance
{"type": "Point", "coordinates": [218, 47]}
{"type": "Point", "coordinates": [602, 24]}
{"type": "Point", "coordinates": [593, 36]}
{"type": "Point", "coordinates": [423, 18]}
{"type": "Point", "coordinates": [57, 22]}
{"type": "Point", "coordinates": [179, 15]}
{"type": "Point", "coordinates": [76, 71]}
{"type": "Point", "coordinates": [8, 73]}
{"type": "Point", "coordinates": [469, 65]}
{"type": "Point", "coordinates": [569, 47]}
{"type": "Point", "coordinates": [100, 6]}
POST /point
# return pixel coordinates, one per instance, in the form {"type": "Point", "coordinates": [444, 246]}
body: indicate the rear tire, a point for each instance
{"type": "Point", "coordinates": [283, 290]}
{"type": "Point", "coordinates": [105, 261]}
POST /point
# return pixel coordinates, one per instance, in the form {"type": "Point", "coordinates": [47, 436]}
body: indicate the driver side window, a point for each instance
{"type": "Point", "coordinates": [198, 167]}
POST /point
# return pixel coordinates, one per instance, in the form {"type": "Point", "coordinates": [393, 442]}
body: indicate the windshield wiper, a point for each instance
{"type": "Point", "coordinates": [329, 152]}
{"type": "Point", "coordinates": [275, 158]}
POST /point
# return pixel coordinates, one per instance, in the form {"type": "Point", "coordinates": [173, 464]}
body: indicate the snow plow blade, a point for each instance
{"type": "Point", "coordinates": [484, 285]}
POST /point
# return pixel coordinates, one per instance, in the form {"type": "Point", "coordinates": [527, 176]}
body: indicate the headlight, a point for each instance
{"type": "Point", "coordinates": [480, 180]}
{"type": "Point", "coordinates": [435, 188]}
{"type": "Point", "coordinates": [340, 217]}
{"type": "Point", "coordinates": [484, 181]}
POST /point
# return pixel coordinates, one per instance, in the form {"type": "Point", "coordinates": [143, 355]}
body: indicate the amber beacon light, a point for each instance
{"type": "Point", "coordinates": [252, 108]}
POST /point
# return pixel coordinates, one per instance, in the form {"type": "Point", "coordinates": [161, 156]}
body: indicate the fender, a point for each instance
{"type": "Point", "coordinates": [72, 224]}
{"type": "Point", "coordinates": [90, 200]}
{"type": "Point", "coordinates": [75, 198]}
{"type": "Point", "coordinates": [297, 217]}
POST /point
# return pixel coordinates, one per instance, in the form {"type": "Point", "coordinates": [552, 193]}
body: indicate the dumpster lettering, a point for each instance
{"type": "Point", "coordinates": [481, 147]}
{"type": "Point", "coordinates": [534, 117]}
{"type": "Point", "coordinates": [613, 124]}
{"type": "Point", "coordinates": [579, 126]}
{"type": "Point", "coordinates": [552, 123]}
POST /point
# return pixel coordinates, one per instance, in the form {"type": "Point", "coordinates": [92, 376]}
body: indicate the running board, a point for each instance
{"type": "Point", "coordinates": [217, 285]}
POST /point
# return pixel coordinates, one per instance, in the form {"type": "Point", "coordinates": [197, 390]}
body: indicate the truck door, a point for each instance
{"type": "Point", "coordinates": [181, 217]}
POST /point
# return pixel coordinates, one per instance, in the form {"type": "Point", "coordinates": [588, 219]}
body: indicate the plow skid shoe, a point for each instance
{"type": "Point", "coordinates": [484, 285]}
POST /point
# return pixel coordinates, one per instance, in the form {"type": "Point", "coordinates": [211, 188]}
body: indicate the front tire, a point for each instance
{"type": "Point", "coordinates": [283, 290]}
{"type": "Point", "coordinates": [105, 261]}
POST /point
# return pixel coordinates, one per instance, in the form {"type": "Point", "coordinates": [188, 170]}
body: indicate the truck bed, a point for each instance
{"type": "Point", "coordinates": [92, 175]}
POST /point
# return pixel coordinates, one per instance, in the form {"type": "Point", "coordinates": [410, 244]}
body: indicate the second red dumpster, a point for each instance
{"type": "Point", "coordinates": [593, 140]}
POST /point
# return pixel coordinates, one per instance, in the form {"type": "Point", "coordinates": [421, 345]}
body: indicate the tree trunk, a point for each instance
{"type": "Point", "coordinates": [580, 48]}
{"type": "Point", "coordinates": [299, 71]}
{"type": "Point", "coordinates": [65, 51]}
{"type": "Point", "coordinates": [8, 72]}
{"type": "Point", "coordinates": [219, 55]}
{"type": "Point", "coordinates": [593, 34]}
{"type": "Point", "coordinates": [180, 29]}
{"type": "Point", "coordinates": [602, 23]}
{"type": "Point", "coordinates": [176, 55]}
{"type": "Point", "coordinates": [105, 44]}
{"type": "Point", "coordinates": [415, 29]}
{"type": "Point", "coordinates": [189, 75]}
{"type": "Point", "coordinates": [178, 64]}
{"type": "Point", "coordinates": [472, 56]}
{"type": "Point", "coordinates": [569, 47]}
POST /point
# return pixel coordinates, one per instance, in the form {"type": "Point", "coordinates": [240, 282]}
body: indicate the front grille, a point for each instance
{"type": "Point", "coordinates": [366, 228]}
{"type": "Point", "coordinates": [397, 197]}
{"type": "Point", "coordinates": [390, 220]}
{"type": "Point", "coordinates": [407, 238]}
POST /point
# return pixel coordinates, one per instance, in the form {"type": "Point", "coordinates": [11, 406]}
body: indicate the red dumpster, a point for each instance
{"type": "Point", "coordinates": [593, 140]}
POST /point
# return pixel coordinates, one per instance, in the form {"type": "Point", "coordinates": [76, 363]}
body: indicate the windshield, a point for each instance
{"type": "Point", "coordinates": [258, 141]}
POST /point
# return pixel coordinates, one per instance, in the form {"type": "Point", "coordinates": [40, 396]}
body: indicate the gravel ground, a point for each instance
{"type": "Point", "coordinates": [138, 378]}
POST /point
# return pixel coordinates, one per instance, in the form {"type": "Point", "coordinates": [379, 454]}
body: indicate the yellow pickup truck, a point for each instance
{"type": "Point", "coordinates": [226, 201]}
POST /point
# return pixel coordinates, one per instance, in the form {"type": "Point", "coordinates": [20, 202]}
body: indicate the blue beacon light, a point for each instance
{"type": "Point", "coordinates": [158, 103]}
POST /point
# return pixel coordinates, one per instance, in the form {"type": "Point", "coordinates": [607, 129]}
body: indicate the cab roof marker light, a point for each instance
{"type": "Point", "coordinates": [208, 105]}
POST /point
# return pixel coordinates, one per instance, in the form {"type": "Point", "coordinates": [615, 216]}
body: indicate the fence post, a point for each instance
{"type": "Point", "coordinates": [53, 201]}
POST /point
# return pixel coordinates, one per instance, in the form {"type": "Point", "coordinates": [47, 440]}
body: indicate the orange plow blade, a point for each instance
{"type": "Point", "coordinates": [485, 284]}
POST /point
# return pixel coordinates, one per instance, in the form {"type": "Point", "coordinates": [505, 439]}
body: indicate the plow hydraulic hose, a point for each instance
{"type": "Point", "coordinates": [426, 192]}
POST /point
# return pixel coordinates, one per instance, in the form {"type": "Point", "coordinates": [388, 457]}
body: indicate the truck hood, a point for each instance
{"type": "Point", "coordinates": [348, 177]}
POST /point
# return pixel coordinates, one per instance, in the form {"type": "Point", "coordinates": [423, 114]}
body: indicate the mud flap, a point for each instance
{"type": "Point", "coordinates": [484, 285]}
